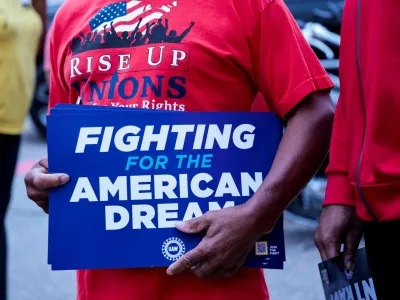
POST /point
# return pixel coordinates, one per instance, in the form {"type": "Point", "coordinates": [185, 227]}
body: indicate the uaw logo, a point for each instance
{"type": "Point", "coordinates": [173, 249]}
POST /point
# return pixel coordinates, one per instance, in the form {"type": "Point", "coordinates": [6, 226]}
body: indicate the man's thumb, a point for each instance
{"type": "Point", "coordinates": [193, 225]}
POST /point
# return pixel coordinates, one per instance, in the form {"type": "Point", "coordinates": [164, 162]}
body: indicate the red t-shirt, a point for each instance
{"type": "Point", "coordinates": [200, 56]}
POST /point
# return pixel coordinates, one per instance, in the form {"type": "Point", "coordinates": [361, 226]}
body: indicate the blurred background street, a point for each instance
{"type": "Point", "coordinates": [30, 278]}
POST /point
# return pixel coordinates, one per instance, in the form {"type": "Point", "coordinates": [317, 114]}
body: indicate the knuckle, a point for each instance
{"type": "Point", "coordinates": [349, 251]}
{"type": "Point", "coordinates": [318, 239]}
{"type": "Point", "coordinates": [31, 193]}
{"type": "Point", "coordinates": [209, 215]}
{"type": "Point", "coordinates": [28, 178]}
{"type": "Point", "coordinates": [37, 182]}
{"type": "Point", "coordinates": [191, 223]}
{"type": "Point", "coordinates": [43, 163]}
{"type": "Point", "coordinates": [186, 262]}
{"type": "Point", "coordinates": [36, 195]}
{"type": "Point", "coordinates": [205, 251]}
{"type": "Point", "coordinates": [321, 240]}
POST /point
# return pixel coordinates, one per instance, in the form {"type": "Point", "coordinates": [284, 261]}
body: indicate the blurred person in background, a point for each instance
{"type": "Point", "coordinates": [21, 29]}
{"type": "Point", "coordinates": [363, 192]}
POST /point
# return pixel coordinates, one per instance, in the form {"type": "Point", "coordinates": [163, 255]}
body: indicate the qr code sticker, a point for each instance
{"type": "Point", "coordinates": [261, 248]}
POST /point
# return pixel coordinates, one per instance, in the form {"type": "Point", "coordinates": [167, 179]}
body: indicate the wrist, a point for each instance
{"type": "Point", "coordinates": [263, 216]}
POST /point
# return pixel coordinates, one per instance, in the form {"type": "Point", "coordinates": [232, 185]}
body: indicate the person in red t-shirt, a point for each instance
{"type": "Point", "coordinates": [194, 55]}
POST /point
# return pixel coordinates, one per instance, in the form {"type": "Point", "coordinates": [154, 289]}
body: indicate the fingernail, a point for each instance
{"type": "Point", "coordinates": [64, 179]}
{"type": "Point", "coordinates": [350, 266]}
{"type": "Point", "coordinates": [169, 272]}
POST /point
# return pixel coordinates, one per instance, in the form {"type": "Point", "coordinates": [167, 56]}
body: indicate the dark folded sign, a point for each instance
{"type": "Point", "coordinates": [339, 284]}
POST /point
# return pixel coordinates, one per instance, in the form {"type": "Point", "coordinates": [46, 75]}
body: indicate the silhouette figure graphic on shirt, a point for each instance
{"type": "Point", "coordinates": [140, 38]}
{"type": "Point", "coordinates": [173, 38]}
{"type": "Point", "coordinates": [158, 33]}
{"type": "Point", "coordinates": [97, 39]}
{"type": "Point", "coordinates": [110, 38]}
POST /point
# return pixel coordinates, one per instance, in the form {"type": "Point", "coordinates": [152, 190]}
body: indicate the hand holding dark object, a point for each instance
{"type": "Point", "coordinates": [38, 181]}
{"type": "Point", "coordinates": [339, 225]}
{"type": "Point", "coordinates": [230, 236]}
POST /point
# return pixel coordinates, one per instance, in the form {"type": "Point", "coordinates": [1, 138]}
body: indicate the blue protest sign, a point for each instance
{"type": "Point", "coordinates": [134, 174]}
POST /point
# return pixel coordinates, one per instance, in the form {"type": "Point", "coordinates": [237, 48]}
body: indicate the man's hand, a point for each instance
{"type": "Point", "coordinates": [339, 225]}
{"type": "Point", "coordinates": [231, 234]}
{"type": "Point", "coordinates": [38, 182]}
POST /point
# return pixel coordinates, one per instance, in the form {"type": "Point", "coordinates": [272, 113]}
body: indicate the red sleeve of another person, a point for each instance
{"type": "Point", "coordinates": [286, 69]}
{"type": "Point", "coordinates": [339, 190]}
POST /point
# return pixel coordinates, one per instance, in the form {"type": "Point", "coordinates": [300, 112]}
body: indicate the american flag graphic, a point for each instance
{"type": "Point", "coordinates": [125, 15]}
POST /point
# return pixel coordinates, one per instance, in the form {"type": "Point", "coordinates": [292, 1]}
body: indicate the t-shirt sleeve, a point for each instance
{"type": "Point", "coordinates": [339, 191]}
{"type": "Point", "coordinates": [286, 70]}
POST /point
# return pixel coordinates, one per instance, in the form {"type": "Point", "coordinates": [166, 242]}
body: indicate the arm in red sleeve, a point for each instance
{"type": "Point", "coordinates": [339, 190]}
{"type": "Point", "coordinates": [287, 70]}
{"type": "Point", "coordinates": [295, 86]}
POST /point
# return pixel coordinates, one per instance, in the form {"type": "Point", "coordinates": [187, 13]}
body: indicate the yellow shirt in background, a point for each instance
{"type": "Point", "coordinates": [20, 31]}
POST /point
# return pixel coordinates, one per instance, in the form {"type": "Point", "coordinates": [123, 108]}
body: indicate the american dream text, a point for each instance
{"type": "Point", "coordinates": [201, 186]}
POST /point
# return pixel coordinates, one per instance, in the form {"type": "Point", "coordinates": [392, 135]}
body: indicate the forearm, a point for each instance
{"type": "Point", "coordinates": [41, 9]}
{"type": "Point", "coordinates": [301, 152]}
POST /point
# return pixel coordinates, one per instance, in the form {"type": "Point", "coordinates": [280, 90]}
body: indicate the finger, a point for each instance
{"type": "Point", "coordinates": [44, 163]}
{"type": "Point", "coordinates": [350, 248]}
{"type": "Point", "coordinates": [226, 273]}
{"type": "Point", "coordinates": [231, 273]}
{"type": "Point", "coordinates": [193, 225]}
{"type": "Point", "coordinates": [44, 205]}
{"type": "Point", "coordinates": [205, 269]}
{"type": "Point", "coordinates": [189, 260]}
{"type": "Point", "coordinates": [332, 249]}
{"type": "Point", "coordinates": [39, 197]}
{"type": "Point", "coordinates": [43, 181]}
{"type": "Point", "coordinates": [36, 195]}
{"type": "Point", "coordinates": [320, 245]}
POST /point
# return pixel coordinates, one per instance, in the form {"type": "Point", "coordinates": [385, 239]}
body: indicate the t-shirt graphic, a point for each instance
{"type": "Point", "coordinates": [130, 24]}
{"type": "Point", "coordinates": [132, 46]}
